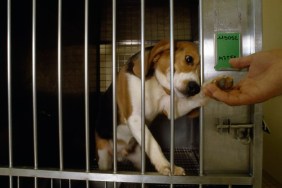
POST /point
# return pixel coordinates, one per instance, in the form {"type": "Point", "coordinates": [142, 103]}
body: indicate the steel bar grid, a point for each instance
{"type": "Point", "coordinates": [146, 175]}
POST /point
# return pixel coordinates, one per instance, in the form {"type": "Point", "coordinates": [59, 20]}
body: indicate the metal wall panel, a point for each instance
{"type": "Point", "coordinates": [223, 151]}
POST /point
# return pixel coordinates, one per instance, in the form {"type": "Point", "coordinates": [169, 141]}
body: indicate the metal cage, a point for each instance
{"type": "Point", "coordinates": [59, 56]}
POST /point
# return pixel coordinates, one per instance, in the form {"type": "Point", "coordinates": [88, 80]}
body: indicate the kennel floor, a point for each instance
{"type": "Point", "coordinates": [184, 157]}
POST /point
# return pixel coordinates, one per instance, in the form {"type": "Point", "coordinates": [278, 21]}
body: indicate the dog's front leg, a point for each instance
{"type": "Point", "coordinates": [152, 148]}
{"type": "Point", "coordinates": [183, 106]}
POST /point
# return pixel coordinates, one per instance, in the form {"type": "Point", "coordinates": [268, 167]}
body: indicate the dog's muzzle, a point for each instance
{"type": "Point", "coordinates": [193, 88]}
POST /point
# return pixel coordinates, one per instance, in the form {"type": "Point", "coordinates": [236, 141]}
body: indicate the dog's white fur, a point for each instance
{"type": "Point", "coordinates": [157, 100]}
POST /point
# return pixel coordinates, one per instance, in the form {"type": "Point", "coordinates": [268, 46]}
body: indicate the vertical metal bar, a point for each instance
{"type": "Point", "coordinates": [257, 151]}
{"type": "Point", "coordinates": [202, 80]}
{"type": "Point", "coordinates": [11, 181]}
{"type": "Point", "coordinates": [9, 79]}
{"type": "Point", "coordinates": [143, 156]}
{"type": "Point", "coordinates": [201, 119]}
{"type": "Point", "coordinates": [114, 86]}
{"type": "Point", "coordinates": [51, 183]}
{"type": "Point", "coordinates": [34, 100]}
{"type": "Point", "coordinates": [86, 92]}
{"type": "Point", "coordinates": [60, 110]}
{"type": "Point", "coordinates": [34, 83]}
{"type": "Point", "coordinates": [9, 85]}
{"type": "Point", "coordinates": [18, 182]}
{"type": "Point", "coordinates": [35, 182]}
{"type": "Point", "coordinates": [86, 86]}
{"type": "Point", "coordinates": [171, 15]}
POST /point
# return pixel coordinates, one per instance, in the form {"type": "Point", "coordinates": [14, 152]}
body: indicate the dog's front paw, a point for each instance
{"type": "Point", "coordinates": [105, 161]}
{"type": "Point", "coordinates": [164, 170]}
{"type": "Point", "coordinates": [224, 82]}
{"type": "Point", "coordinates": [201, 99]}
{"type": "Point", "coordinates": [178, 171]}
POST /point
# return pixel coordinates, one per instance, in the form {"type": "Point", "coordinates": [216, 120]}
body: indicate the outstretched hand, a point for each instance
{"type": "Point", "coordinates": [262, 82]}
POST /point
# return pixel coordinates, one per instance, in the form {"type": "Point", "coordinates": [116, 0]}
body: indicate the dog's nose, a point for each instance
{"type": "Point", "coordinates": [193, 88]}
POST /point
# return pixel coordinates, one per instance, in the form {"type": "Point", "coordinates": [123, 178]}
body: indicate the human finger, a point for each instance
{"type": "Point", "coordinates": [241, 62]}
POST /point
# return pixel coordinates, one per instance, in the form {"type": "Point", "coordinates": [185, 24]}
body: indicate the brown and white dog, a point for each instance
{"type": "Point", "coordinates": [188, 96]}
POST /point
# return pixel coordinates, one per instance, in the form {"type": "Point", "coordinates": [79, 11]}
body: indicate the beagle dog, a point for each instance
{"type": "Point", "coordinates": [188, 96]}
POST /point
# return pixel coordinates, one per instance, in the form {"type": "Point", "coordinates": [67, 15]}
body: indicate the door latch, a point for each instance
{"type": "Point", "coordinates": [242, 132]}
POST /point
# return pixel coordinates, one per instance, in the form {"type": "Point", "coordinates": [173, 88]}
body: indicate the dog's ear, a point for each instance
{"type": "Point", "coordinates": [157, 51]}
{"type": "Point", "coordinates": [151, 57]}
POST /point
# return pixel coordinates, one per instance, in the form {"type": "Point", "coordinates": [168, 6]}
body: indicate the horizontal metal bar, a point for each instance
{"type": "Point", "coordinates": [239, 126]}
{"type": "Point", "coordinates": [131, 177]}
{"type": "Point", "coordinates": [134, 42]}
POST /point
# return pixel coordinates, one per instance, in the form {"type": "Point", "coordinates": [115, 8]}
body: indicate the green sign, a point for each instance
{"type": "Point", "coordinates": [228, 45]}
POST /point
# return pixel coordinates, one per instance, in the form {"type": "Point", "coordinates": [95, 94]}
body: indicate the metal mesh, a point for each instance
{"type": "Point", "coordinates": [129, 31]}
{"type": "Point", "coordinates": [184, 157]}
{"type": "Point", "coordinates": [156, 20]}
{"type": "Point", "coordinates": [124, 52]}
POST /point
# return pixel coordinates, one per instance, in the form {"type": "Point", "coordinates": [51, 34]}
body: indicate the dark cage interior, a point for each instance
{"type": "Point", "coordinates": [128, 34]}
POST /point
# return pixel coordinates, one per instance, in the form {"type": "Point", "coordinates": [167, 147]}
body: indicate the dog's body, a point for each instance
{"type": "Point", "coordinates": [188, 96]}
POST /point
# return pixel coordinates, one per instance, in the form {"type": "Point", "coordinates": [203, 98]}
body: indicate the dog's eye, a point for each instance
{"type": "Point", "coordinates": [189, 59]}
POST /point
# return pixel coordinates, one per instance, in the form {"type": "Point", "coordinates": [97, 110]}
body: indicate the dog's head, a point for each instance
{"type": "Point", "coordinates": [186, 67]}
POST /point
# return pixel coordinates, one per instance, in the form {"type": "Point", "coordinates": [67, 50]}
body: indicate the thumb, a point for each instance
{"type": "Point", "coordinates": [241, 62]}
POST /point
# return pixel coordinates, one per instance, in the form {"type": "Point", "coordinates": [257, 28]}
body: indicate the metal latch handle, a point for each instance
{"type": "Point", "coordinates": [242, 131]}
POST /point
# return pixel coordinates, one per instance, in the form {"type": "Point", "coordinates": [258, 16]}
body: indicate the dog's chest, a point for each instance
{"type": "Point", "coordinates": [153, 95]}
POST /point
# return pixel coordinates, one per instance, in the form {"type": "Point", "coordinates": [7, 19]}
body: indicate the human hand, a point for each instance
{"type": "Point", "coordinates": [262, 82]}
